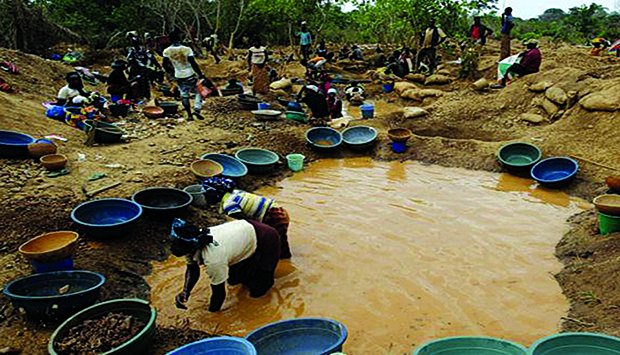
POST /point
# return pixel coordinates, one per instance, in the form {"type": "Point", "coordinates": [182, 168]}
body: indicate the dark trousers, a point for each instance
{"type": "Point", "coordinates": [428, 56]}
{"type": "Point", "coordinates": [516, 69]}
{"type": "Point", "coordinates": [305, 52]}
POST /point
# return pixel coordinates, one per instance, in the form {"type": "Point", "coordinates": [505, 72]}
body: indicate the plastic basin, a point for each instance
{"type": "Point", "coordinates": [53, 162]}
{"type": "Point", "coordinates": [359, 137]}
{"type": "Point", "coordinates": [299, 336]}
{"type": "Point", "coordinates": [258, 161]}
{"type": "Point", "coordinates": [233, 167]}
{"type": "Point", "coordinates": [613, 182]}
{"type": "Point", "coordinates": [217, 346]}
{"type": "Point", "coordinates": [206, 168]}
{"type": "Point", "coordinates": [119, 110]}
{"type": "Point", "coordinates": [323, 138]}
{"type": "Point", "coordinates": [65, 264]}
{"type": "Point", "coordinates": [139, 344]}
{"type": "Point", "coordinates": [153, 112]}
{"type": "Point", "coordinates": [42, 147]}
{"type": "Point", "coordinates": [519, 157]}
{"type": "Point", "coordinates": [198, 195]}
{"type": "Point", "coordinates": [294, 107]}
{"type": "Point", "coordinates": [608, 204]}
{"type": "Point", "coordinates": [400, 135]}
{"type": "Point", "coordinates": [576, 344]}
{"type": "Point", "coordinates": [399, 147]}
{"type": "Point", "coordinates": [296, 116]}
{"type": "Point", "coordinates": [266, 115]}
{"type": "Point", "coordinates": [295, 162]}
{"type": "Point", "coordinates": [248, 102]}
{"type": "Point", "coordinates": [608, 224]}
{"type": "Point", "coordinates": [105, 133]}
{"type": "Point", "coordinates": [106, 217]}
{"type": "Point", "coordinates": [41, 296]}
{"type": "Point", "coordinates": [50, 247]}
{"type": "Point", "coordinates": [471, 346]}
{"type": "Point", "coordinates": [170, 108]}
{"type": "Point", "coordinates": [163, 201]}
{"type": "Point", "coordinates": [14, 144]}
{"type": "Point", "coordinates": [555, 172]}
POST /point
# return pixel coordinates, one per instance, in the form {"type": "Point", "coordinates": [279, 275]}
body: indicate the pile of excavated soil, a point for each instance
{"type": "Point", "coordinates": [464, 128]}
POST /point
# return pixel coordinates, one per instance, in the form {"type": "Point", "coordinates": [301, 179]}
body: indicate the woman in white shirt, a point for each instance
{"type": "Point", "coordinates": [257, 65]}
{"type": "Point", "coordinates": [240, 252]}
{"type": "Point", "coordinates": [73, 89]}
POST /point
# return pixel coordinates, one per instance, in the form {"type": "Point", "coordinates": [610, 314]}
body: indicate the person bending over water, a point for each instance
{"type": "Point", "coordinates": [241, 252]}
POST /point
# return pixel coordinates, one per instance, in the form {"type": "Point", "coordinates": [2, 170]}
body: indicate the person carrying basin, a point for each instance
{"type": "Point", "coordinates": [179, 61]}
{"type": "Point", "coordinates": [240, 204]}
{"type": "Point", "coordinates": [241, 252]}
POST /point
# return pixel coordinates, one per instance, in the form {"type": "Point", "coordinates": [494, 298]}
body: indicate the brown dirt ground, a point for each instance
{"type": "Point", "coordinates": [464, 129]}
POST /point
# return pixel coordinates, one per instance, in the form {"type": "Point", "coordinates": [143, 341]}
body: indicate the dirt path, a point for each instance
{"type": "Point", "coordinates": [464, 129]}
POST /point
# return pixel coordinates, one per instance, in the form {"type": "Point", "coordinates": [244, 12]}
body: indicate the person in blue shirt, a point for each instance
{"type": "Point", "coordinates": [507, 26]}
{"type": "Point", "coordinates": [305, 41]}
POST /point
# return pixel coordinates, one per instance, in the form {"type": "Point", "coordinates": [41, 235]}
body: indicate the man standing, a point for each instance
{"type": "Point", "coordinates": [138, 61]}
{"type": "Point", "coordinates": [211, 44]}
{"type": "Point", "coordinates": [479, 32]}
{"type": "Point", "coordinates": [179, 60]}
{"type": "Point", "coordinates": [507, 25]}
{"type": "Point", "coordinates": [305, 41]}
{"type": "Point", "coordinates": [433, 37]}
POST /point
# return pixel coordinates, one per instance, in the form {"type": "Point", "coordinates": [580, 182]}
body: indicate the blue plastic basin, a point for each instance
{"type": "Point", "coordinates": [359, 137]}
{"type": "Point", "coordinates": [258, 161]}
{"type": "Point", "coordinates": [471, 346]}
{"type": "Point", "coordinates": [58, 265]}
{"type": "Point", "coordinates": [14, 144]}
{"type": "Point", "coordinates": [315, 336]}
{"type": "Point", "coordinates": [233, 168]}
{"type": "Point", "coordinates": [555, 172]}
{"type": "Point", "coordinates": [576, 344]}
{"type": "Point", "coordinates": [163, 201]}
{"type": "Point", "coordinates": [106, 217]}
{"type": "Point", "coordinates": [217, 346]}
{"type": "Point", "coordinates": [323, 138]}
{"type": "Point", "coordinates": [39, 295]}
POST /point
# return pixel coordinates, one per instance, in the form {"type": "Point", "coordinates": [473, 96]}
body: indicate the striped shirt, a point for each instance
{"type": "Point", "coordinates": [253, 206]}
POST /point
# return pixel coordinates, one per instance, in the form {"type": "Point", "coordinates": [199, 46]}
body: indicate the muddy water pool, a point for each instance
{"type": "Point", "coordinates": [400, 253]}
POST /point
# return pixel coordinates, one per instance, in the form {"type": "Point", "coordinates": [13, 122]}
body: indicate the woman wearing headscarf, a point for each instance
{"type": "Point", "coordinates": [257, 65]}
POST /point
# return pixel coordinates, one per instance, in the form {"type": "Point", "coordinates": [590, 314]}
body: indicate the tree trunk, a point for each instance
{"type": "Point", "coordinates": [231, 41]}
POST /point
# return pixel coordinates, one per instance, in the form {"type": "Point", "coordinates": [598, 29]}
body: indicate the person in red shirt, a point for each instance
{"type": "Point", "coordinates": [529, 64]}
{"type": "Point", "coordinates": [479, 32]}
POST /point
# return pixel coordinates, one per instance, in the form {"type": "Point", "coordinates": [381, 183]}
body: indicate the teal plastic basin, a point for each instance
{"type": "Point", "coordinates": [258, 161]}
{"type": "Point", "coordinates": [576, 344]}
{"type": "Point", "coordinates": [608, 224]}
{"type": "Point", "coordinates": [471, 346]}
{"type": "Point", "coordinates": [519, 156]}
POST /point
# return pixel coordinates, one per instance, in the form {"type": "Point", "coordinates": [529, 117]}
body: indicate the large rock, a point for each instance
{"type": "Point", "coordinates": [600, 101]}
{"type": "Point", "coordinates": [481, 84]}
{"type": "Point", "coordinates": [420, 94]}
{"type": "Point", "coordinates": [531, 117]}
{"type": "Point", "coordinates": [416, 77]}
{"type": "Point", "coordinates": [413, 112]}
{"type": "Point", "coordinates": [541, 86]}
{"type": "Point", "coordinates": [550, 108]}
{"type": "Point", "coordinates": [557, 95]}
{"type": "Point", "coordinates": [438, 79]}
{"type": "Point", "coordinates": [281, 84]}
{"type": "Point", "coordinates": [402, 86]}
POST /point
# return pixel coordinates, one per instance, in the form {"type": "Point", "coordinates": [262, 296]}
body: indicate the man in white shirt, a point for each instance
{"type": "Point", "coordinates": [240, 252]}
{"type": "Point", "coordinates": [179, 61]}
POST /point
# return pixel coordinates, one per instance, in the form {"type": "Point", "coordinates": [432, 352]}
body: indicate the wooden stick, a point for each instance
{"type": "Point", "coordinates": [578, 321]}
{"type": "Point", "coordinates": [172, 150]}
{"type": "Point", "coordinates": [597, 164]}
{"type": "Point", "coordinates": [100, 190]}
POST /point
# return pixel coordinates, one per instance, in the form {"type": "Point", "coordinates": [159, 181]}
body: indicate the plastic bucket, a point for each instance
{"type": "Point", "coordinates": [198, 194]}
{"type": "Point", "coordinates": [399, 147]}
{"type": "Point", "coordinates": [368, 111]}
{"type": "Point", "coordinates": [388, 88]}
{"type": "Point", "coordinates": [115, 98]}
{"type": "Point", "coordinates": [294, 106]}
{"type": "Point", "coordinates": [608, 224]}
{"type": "Point", "coordinates": [58, 265]}
{"type": "Point", "coordinates": [264, 106]}
{"type": "Point", "coordinates": [295, 161]}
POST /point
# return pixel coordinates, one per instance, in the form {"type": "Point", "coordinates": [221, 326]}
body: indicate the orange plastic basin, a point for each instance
{"type": "Point", "coordinates": [50, 247]}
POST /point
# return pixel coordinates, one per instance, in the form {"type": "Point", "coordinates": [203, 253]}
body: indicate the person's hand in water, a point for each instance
{"type": "Point", "coordinates": [180, 300]}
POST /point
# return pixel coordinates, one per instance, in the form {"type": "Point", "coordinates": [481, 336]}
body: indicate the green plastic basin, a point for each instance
{"type": "Point", "coordinates": [139, 344]}
{"type": "Point", "coordinates": [576, 344]}
{"type": "Point", "coordinates": [608, 224]}
{"type": "Point", "coordinates": [519, 156]}
{"type": "Point", "coordinates": [471, 346]}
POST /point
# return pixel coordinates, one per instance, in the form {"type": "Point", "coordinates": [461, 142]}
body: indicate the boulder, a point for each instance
{"type": "Point", "coordinates": [421, 94]}
{"type": "Point", "coordinates": [481, 84]}
{"type": "Point", "coordinates": [438, 79]}
{"type": "Point", "coordinates": [402, 86]}
{"type": "Point", "coordinates": [540, 86]}
{"type": "Point", "coordinates": [531, 117]}
{"type": "Point", "coordinates": [413, 112]}
{"type": "Point", "coordinates": [416, 77]}
{"type": "Point", "coordinates": [549, 107]}
{"type": "Point", "coordinates": [556, 95]}
{"type": "Point", "coordinates": [599, 101]}
{"type": "Point", "coordinates": [281, 84]}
